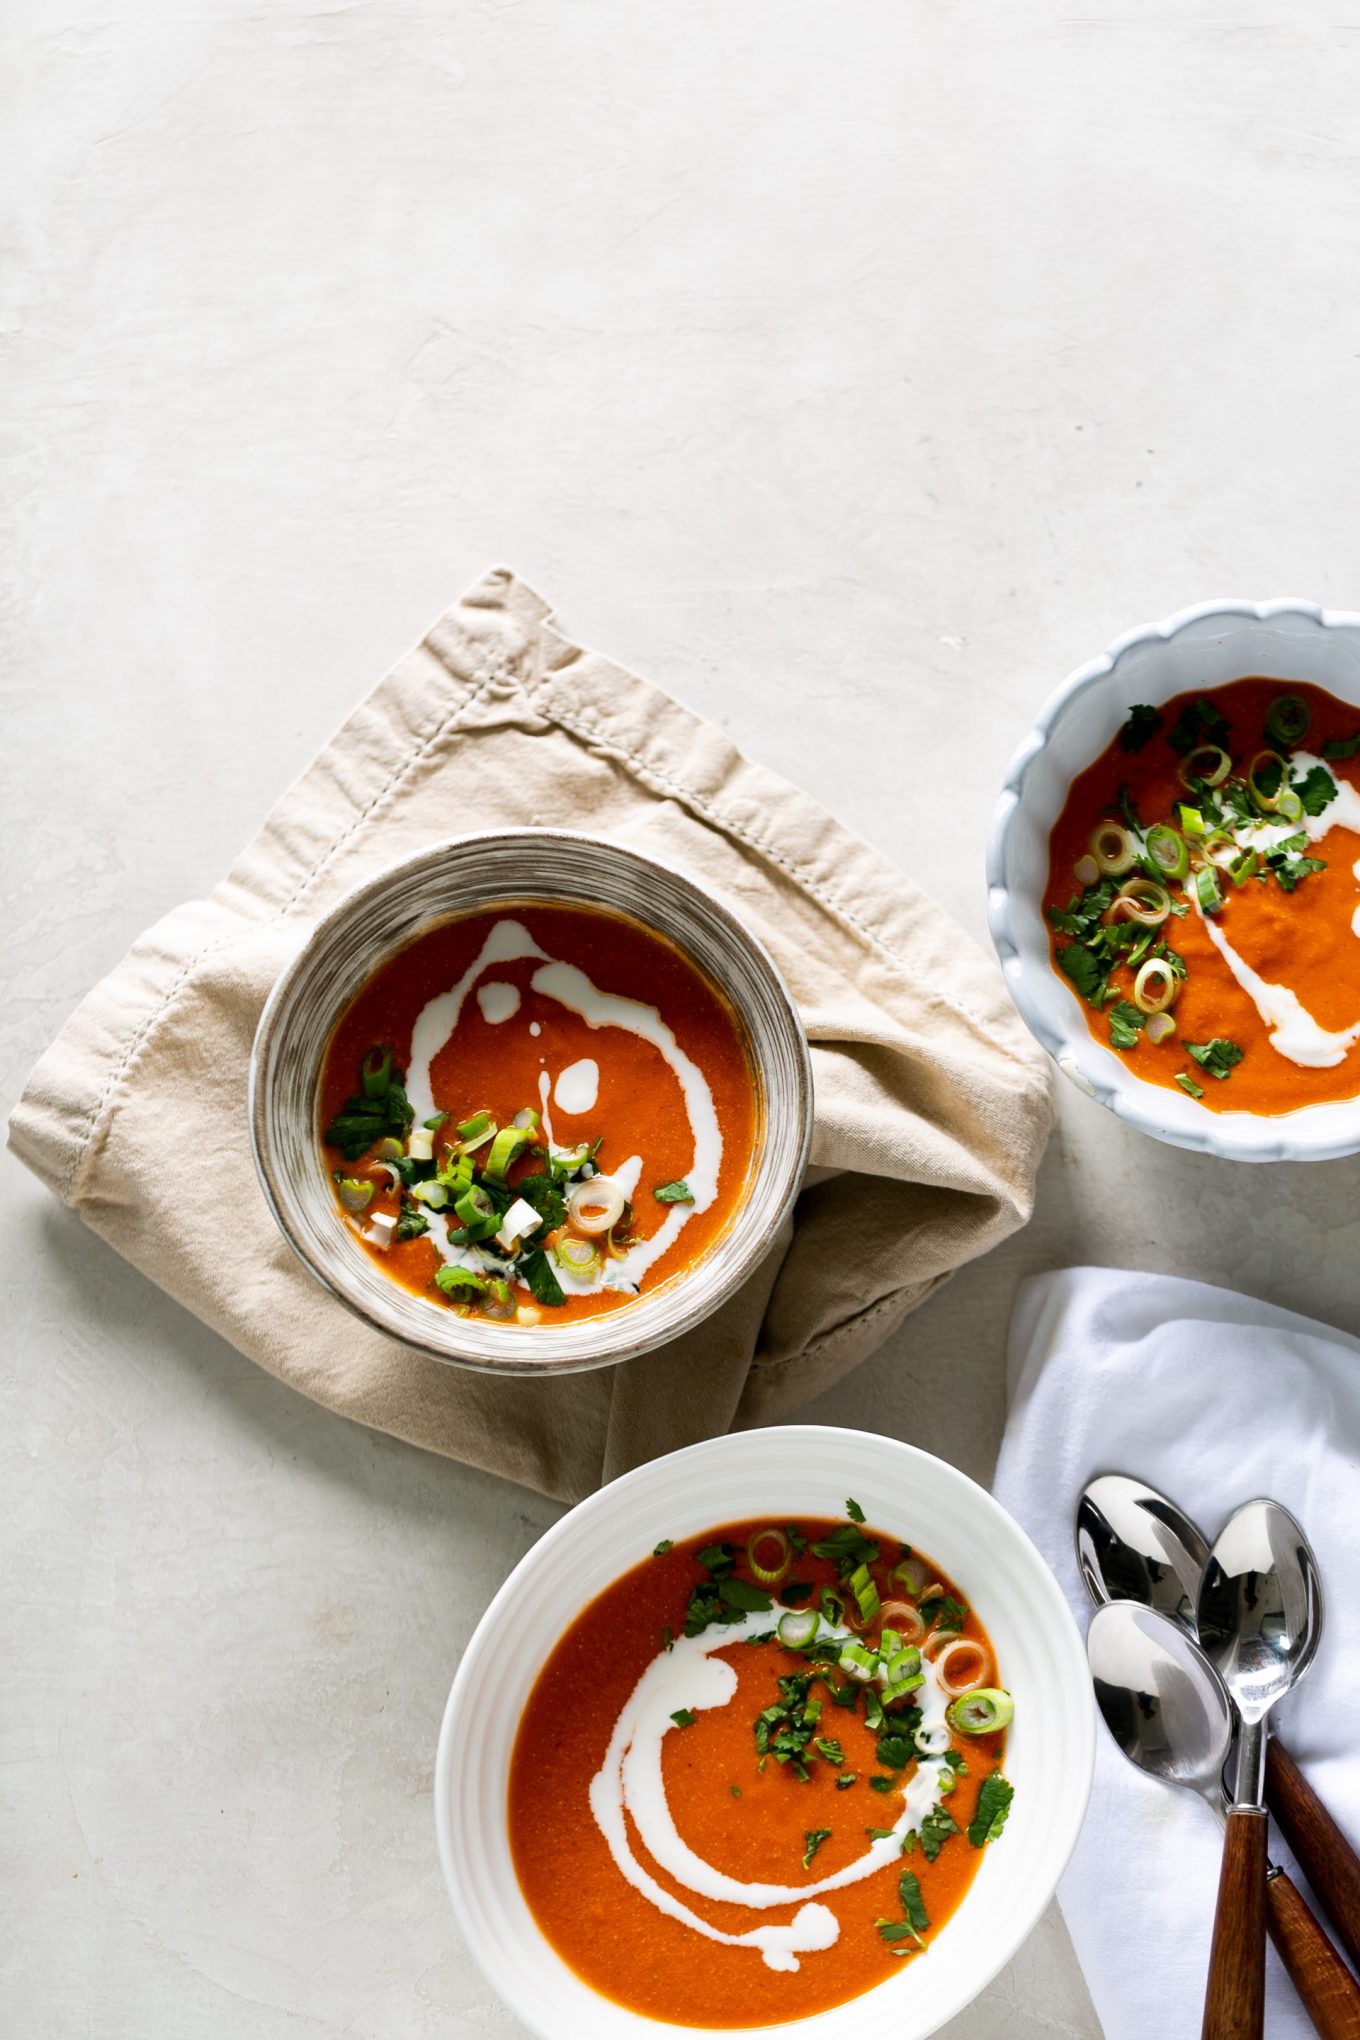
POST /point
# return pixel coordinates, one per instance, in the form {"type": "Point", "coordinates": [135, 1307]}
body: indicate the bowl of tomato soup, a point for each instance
{"type": "Point", "coordinates": [789, 1730]}
{"type": "Point", "coordinates": [1174, 880]}
{"type": "Point", "coordinates": [531, 1101]}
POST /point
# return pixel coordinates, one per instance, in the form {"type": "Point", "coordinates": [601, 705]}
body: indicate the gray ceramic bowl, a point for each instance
{"type": "Point", "coordinates": [465, 876]}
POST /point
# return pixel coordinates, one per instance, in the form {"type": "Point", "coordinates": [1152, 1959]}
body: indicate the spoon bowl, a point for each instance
{"type": "Point", "coordinates": [1135, 1545]}
{"type": "Point", "coordinates": [1260, 1607]}
{"type": "Point", "coordinates": [1160, 1698]}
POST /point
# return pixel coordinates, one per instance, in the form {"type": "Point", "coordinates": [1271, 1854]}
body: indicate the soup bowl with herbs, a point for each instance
{"type": "Point", "coordinates": [1174, 880]}
{"type": "Point", "coordinates": [789, 1730]}
{"type": "Point", "coordinates": [531, 1100]}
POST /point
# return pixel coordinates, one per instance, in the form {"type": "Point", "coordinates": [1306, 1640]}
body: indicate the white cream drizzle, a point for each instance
{"type": "Point", "coordinates": [578, 1087]}
{"type": "Point", "coordinates": [507, 942]}
{"type": "Point", "coordinates": [1294, 1033]}
{"type": "Point", "coordinates": [499, 1002]}
{"type": "Point", "coordinates": [631, 1781]}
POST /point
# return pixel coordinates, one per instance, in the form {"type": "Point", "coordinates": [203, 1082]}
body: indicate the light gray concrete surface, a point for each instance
{"type": "Point", "coordinates": [852, 372]}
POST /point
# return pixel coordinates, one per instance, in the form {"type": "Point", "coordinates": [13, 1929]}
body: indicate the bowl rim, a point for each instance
{"type": "Point", "coordinates": [1236, 1136]}
{"type": "Point", "coordinates": [612, 1342]}
{"type": "Point", "coordinates": [1079, 1769]}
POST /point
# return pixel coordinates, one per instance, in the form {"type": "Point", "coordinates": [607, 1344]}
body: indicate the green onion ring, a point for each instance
{"type": "Point", "coordinates": [1166, 849]}
{"type": "Point", "coordinates": [1160, 1028]}
{"type": "Point", "coordinates": [579, 1257]}
{"type": "Point", "coordinates": [1220, 765]}
{"type": "Point", "coordinates": [1287, 719]}
{"type": "Point", "coordinates": [1114, 849]}
{"type": "Point", "coordinates": [355, 1194]}
{"type": "Point", "coordinates": [474, 1207]}
{"type": "Point", "coordinates": [769, 1575]}
{"type": "Point", "coordinates": [961, 1647]}
{"type": "Point", "coordinates": [1268, 803]}
{"type": "Point", "coordinates": [509, 1143]}
{"type": "Point", "coordinates": [984, 1711]}
{"type": "Point", "coordinates": [1156, 986]}
{"type": "Point", "coordinates": [910, 1576]}
{"type": "Point", "coordinates": [1142, 900]}
{"type": "Point", "coordinates": [375, 1072]}
{"type": "Point", "coordinates": [1086, 871]}
{"type": "Point", "coordinates": [596, 1206]}
{"type": "Point", "coordinates": [904, 1620]}
{"type": "Point", "coordinates": [797, 1629]}
{"type": "Point", "coordinates": [865, 1593]}
{"type": "Point", "coordinates": [1207, 890]}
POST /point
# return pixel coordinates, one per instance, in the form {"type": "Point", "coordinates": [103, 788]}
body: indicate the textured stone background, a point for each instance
{"type": "Point", "coordinates": [852, 371]}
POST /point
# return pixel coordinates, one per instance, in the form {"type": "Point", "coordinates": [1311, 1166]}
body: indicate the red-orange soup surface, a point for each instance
{"type": "Point", "coordinates": [747, 1816]}
{"type": "Point", "coordinates": [545, 1027]}
{"type": "Point", "coordinates": [1289, 918]}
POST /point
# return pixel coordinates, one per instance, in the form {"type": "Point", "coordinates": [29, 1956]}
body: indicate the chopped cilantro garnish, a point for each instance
{"type": "Point", "coordinates": [1218, 1056]}
{"type": "Point", "coordinates": [878, 1834]}
{"type": "Point", "coordinates": [826, 1747]}
{"type": "Point", "coordinates": [936, 1829]}
{"type": "Point", "coordinates": [909, 1891]}
{"type": "Point", "coordinates": [1084, 971]}
{"type": "Point", "coordinates": [1143, 723]}
{"type": "Point", "coordinates": [1126, 1022]}
{"type": "Point", "coordinates": [894, 1752]}
{"type": "Point", "coordinates": [853, 1510]}
{"type": "Point", "coordinates": [1342, 747]}
{"type": "Point", "coordinates": [994, 1803]}
{"type": "Point", "coordinates": [1199, 723]}
{"type": "Point", "coordinates": [735, 1791]}
{"type": "Point", "coordinates": [814, 1837]}
{"type": "Point", "coordinates": [1317, 789]}
{"type": "Point", "coordinates": [684, 1717]}
{"type": "Point", "coordinates": [674, 1193]}
{"type": "Point", "coordinates": [846, 1780]}
{"type": "Point", "coordinates": [660, 1550]}
{"type": "Point", "coordinates": [882, 1784]}
{"type": "Point", "coordinates": [1188, 1084]}
{"type": "Point", "coordinates": [543, 1284]}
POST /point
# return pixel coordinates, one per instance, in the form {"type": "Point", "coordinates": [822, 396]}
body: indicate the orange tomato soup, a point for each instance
{"type": "Point", "coordinates": [1282, 895]}
{"type": "Point", "coordinates": [563, 1113]}
{"type": "Point", "coordinates": [634, 1724]}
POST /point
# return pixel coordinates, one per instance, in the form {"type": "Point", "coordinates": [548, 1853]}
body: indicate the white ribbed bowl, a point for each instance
{"type": "Point", "coordinates": [798, 1470]}
{"type": "Point", "coordinates": [1196, 649]}
{"type": "Point", "coordinates": [464, 876]}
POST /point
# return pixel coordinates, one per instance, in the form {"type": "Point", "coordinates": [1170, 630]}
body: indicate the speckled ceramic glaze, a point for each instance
{"type": "Point", "coordinates": [469, 875]}
{"type": "Point", "coordinates": [1197, 649]}
{"type": "Point", "coordinates": [783, 1473]}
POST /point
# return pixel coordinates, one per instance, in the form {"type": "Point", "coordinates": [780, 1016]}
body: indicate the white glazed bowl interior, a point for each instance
{"type": "Point", "coordinates": [1197, 649]}
{"type": "Point", "coordinates": [786, 1472]}
{"type": "Point", "coordinates": [381, 917]}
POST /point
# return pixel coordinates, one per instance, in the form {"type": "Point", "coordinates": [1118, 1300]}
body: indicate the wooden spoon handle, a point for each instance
{"type": "Point", "coordinates": [1235, 2000]}
{"type": "Point", "coordinates": [1327, 1858]}
{"type": "Point", "coordinates": [1330, 1994]}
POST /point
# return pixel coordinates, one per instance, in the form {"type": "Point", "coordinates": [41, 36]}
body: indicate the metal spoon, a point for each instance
{"type": "Point", "coordinates": [1161, 1699]}
{"type": "Point", "coordinates": [1259, 1618]}
{"type": "Point", "coordinates": [1129, 1533]}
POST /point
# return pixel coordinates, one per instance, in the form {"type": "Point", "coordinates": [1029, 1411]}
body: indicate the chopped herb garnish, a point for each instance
{"type": "Point", "coordinates": [853, 1510]}
{"type": "Point", "coordinates": [1188, 1084]}
{"type": "Point", "coordinates": [944, 1612]}
{"type": "Point", "coordinates": [1218, 1056]}
{"type": "Point", "coordinates": [1085, 972]}
{"type": "Point", "coordinates": [1199, 724]}
{"type": "Point", "coordinates": [660, 1550]}
{"type": "Point", "coordinates": [1143, 723]}
{"type": "Point", "coordinates": [536, 1270]}
{"type": "Point", "coordinates": [846, 1780]}
{"type": "Point", "coordinates": [684, 1717]}
{"type": "Point", "coordinates": [1316, 790]}
{"type": "Point", "coordinates": [797, 1540]}
{"type": "Point", "coordinates": [674, 1193]}
{"type": "Point", "coordinates": [909, 1891]}
{"type": "Point", "coordinates": [879, 1834]}
{"type": "Point", "coordinates": [882, 1784]}
{"type": "Point", "coordinates": [735, 1791]}
{"type": "Point", "coordinates": [1126, 1023]}
{"type": "Point", "coordinates": [994, 1803]}
{"type": "Point", "coordinates": [814, 1837]}
{"type": "Point", "coordinates": [935, 1831]}
{"type": "Point", "coordinates": [832, 1751]}
{"type": "Point", "coordinates": [894, 1752]}
{"type": "Point", "coordinates": [1342, 747]}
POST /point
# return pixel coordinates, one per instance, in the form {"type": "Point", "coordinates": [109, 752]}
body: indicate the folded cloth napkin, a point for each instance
{"type": "Point", "coordinates": [1214, 1399]}
{"type": "Point", "coordinates": [932, 1103]}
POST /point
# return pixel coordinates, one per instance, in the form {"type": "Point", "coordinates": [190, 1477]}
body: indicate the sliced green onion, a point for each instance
{"type": "Point", "coordinates": [1244, 868]}
{"type": "Point", "coordinates": [903, 1620]}
{"type": "Point", "coordinates": [1156, 986]}
{"type": "Point", "coordinates": [962, 1650]}
{"type": "Point", "coordinates": [1192, 822]}
{"type": "Point", "coordinates": [1114, 849]}
{"type": "Point", "coordinates": [1142, 900]}
{"type": "Point", "coordinates": [375, 1072]}
{"type": "Point", "coordinates": [579, 1257]}
{"type": "Point", "coordinates": [452, 1279]}
{"type": "Point", "coordinates": [902, 1682]}
{"type": "Point", "coordinates": [432, 1194]}
{"type": "Point", "coordinates": [833, 1608]}
{"type": "Point", "coordinates": [778, 1556]}
{"type": "Point", "coordinates": [865, 1593]}
{"type": "Point", "coordinates": [1160, 1028]}
{"type": "Point", "coordinates": [860, 1663]}
{"type": "Point", "coordinates": [982, 1712]}
{"type": "Point", "coordinates": [910, 1576]}
{"type": "Point", "coordinates": [1209, 764]}
{"type": "Point", "coordinates": [596, 1206]}
{"type": "Point", "coordinates": [1287, 719]}
{"type": "Point", "coordinates": [1268, 803]}
{"type": "Point", "coordinates": [797, 1629]}
{"type": "Point", "coordinates": [475, 1132]}
{"type": "Point", "coordinates": [474, 1207]}
{"type": "Point", "coordinates": [526, 1119]}
{"type": "Point", "coordinates": [1207, 890]}
{"type": "Point", "coordinates": [508, 1144]}
{"type": "Point", "coordinates": [1289, 805]}
{"type": "Point", "coordinates": [1086, 871]}
{"type": "Point", "coordinates": [457, 1174]}
{"type": "Point", "coordinates": [1220, 848]}
{"type": "Point", "coordinates": [389, 1150]}
{"type": "Point", "coordinates": [355, 1194]}
{"type": "Point", "coordinates": [1167, 850]}
{"type": "Point", "coordinates": [420, 1145]}
{"type": "Point", "coordinates": [525, 1314]}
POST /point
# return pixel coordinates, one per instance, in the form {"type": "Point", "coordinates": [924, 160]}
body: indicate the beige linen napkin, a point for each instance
{"type": "Point", "coordinates": [932, 1104]}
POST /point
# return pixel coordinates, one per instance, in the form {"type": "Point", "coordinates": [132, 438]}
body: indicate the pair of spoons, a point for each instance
{"type": "Point", "coordinates": [1187, 1627]}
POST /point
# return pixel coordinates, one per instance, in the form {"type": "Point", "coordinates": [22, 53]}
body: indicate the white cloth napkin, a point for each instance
{"type": "Point", "coordinates": [1213, 1398]}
